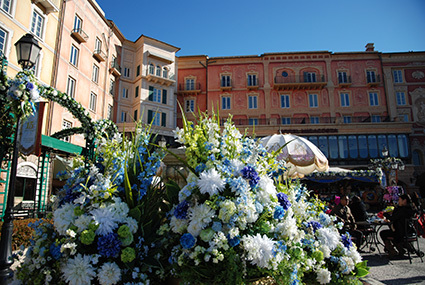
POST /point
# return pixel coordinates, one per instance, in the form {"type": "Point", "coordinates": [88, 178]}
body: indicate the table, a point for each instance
{"type": "Point", "coordinates": [371, 231]}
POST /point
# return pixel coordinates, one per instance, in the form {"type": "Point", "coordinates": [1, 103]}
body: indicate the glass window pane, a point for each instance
{"type": "Point", "coordinates": [403, 147]}
{"type": "Point", "coordinates": [333, 146]}
{"type": "Point", "coordinates": [313, 139]}
{"type": "Point", "coordinates": [382, 143]}
{"type": "Point", "coordinates": [352, 146]}
{"type": "Point", "coordinates": [363, 147]}
{"type": "Point", "coordinates": [372, 142]}
{"type": "Point", "coordinates": [342, 146]}
{"type": "Point", "coordinates": [323, 145]}
{"type": "Point", "coordinates": [392, 145]}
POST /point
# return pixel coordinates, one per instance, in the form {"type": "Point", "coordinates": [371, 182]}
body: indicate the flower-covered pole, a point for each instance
{"type": "Point", "coordinates": [22, 94]}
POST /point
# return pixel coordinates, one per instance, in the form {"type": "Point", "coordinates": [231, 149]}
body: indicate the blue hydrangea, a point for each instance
{"type": "Point", "coordinates": [346, 240]}
{"type": "Point", "coordinates": [180, 212]}
{"type": "Point", "coordinates": [248, 172]}
{"type": "Point", "coordinates": [233, 241]}
{"type": "Point", "coordinates": [283, 200]}
{"type": "Point", "coordinates": [239, 185]}
{"type": "Point", "coordinates": [279, 213]}
{"type": "Point", "coordinates": [55, 251]}
{"type": "Point", "coordinates": [109, 245]}
{"type": "Point", "coordinates": [187, 241]}
{"type": "Point", "coordinates": [200, 167]}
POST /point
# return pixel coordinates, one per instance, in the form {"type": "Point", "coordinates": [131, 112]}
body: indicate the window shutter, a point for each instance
{"type": "Point", "coordinates": [150, 93]}
{"type": "Point", "coordinates": [164, 96]}
{"type": "Point", "coordinates": [305, 77]}
{"type": "Point", "coordinates": [150, 116]}
{"type": "Point", "coordinates": [137, 92]}
{"type": "Point", "coordinates": [164, 119]}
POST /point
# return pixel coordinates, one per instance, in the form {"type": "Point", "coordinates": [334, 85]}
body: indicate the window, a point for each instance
{"type": "Point", "coordinates": [78, 23]}
{"type": "Point", "coordinates": [66, 125]}
{"type": "Point", "coordinates": [93, 101]}
{"type": "Point", "coordinates": [342, 77]}
{"type": "Point", "coordinates": [398, 76]}
{"type": "Point", "coordinates": [347, 119]}
{"type": "Point", "coordinates": [6, 5]}
{"type": "Point", "coordinates": [136, 92]}
{"type": "Point", "coordinates": [401, 98]}
{"type": "Point", "coordinates": [314, 120]}
{"type": "Point", "coordinates": [403, 118]}
{"type": "Point", "coordinates": [309, 77]}
{"type": "Point", "coordinates": [135, 115]}
{"type": "Point", "coordinates": [165, 72]}
{"type": "Point", "coordinates": [123, 117]}
{"type": "Point", "coordinates": [3, 40]}
{"type": "Point", "coordinates": [112, 87]}
{"type": "Point", "coordinates": [74, 55]}
{"type": "Point", "coordinates": [225, 81]}
{"type": "Point", "coordinates": [125, 93]}
{"type": "Point", "coordinates": [284, 101]}
{"type": "Point", "coordinates": [157, 95]}
{"type": "Point", "coordinates": [70, 88]}
{"type": "Point", "coordinates": [376, 118]}
{"type": "Point", "coordinates": [312, 100]}
{"type": "Point", "coordinates": [373, 99]}
{"type": "Point", "coordinates": [253, 121]}
{"type": "Point", "coordinates": [190, 84]}
{"type": "Point", "coordinates": [252, 102]}
{"type": "Point", "coordinates": [158, 70]}
{"type": "Point", "coordinates": [371, 77]}
{"type": "Point", "coordinates": [157, 118]}
{"type": "Point", "coordinates": [110, 111]}
{"type": "Point", "coordinates": [225, 103]}
{"type": "Point", "coordinates": [37, 24]}
{"type": "Point", "coordinates": [190, 105]}
{"type": "Point", "coordinates": [98, 45]}
{"type": "Point", "coordinates": [126, 72]}
{"type": "Point", "coordinates": [252, 80]}
{"type": "Point", "coordinates": [151, 69]}
{"type": "Point", "coordinates": [286, 121]}
{"type": "Point", "coordinates": [95, 74]}
{"type": "Point", "coordinates": [345, 100]}
{"type": "Point", "coordinates": [138, 70]}
{"type": "Point", "coordinates": [35, 68]}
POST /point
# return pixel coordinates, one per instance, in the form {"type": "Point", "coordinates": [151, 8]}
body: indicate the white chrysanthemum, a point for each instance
{"type": "Point", "coordinates": [109, 274]}
{"type": "Point", "coordinates": [105, 219]}
{"type": "Point", "coordinates": [78, 270]}
{"type": "Point", "coordinates": [323, 276]}
{"type": "Point", "coordinates": [63, 218]}
{"type": "Point", "coordinates": [346, 265]}
{"type": "Point", "coordinates": [288, 227]}
{"type": "Point", "coordinates": [210, 182]}
{"type": "Point", "coordinates": [329, 237]}
{"type": "Point", "coordinates": [119, 209]}
{"type": "Point", "coordinates": [200, 216]}
{"type": "Point", "coordinates": [354, 255]}
{"type": "Point", "coordinates": [178, 225]}
{"type": "Point", "coordinates": [259, 250]}
{"type": "Point", "coordinates": [82, 222]}
{"type": "Point", "coordinates": [266, 190]}
{"type": "Point", "coordinates": [132, 224]}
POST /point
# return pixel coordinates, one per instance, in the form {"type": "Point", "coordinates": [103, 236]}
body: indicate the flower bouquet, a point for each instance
{"type": "Point", "coordinates": [237, 222]}
{"type": "Point", "coordinates": [104, 223]}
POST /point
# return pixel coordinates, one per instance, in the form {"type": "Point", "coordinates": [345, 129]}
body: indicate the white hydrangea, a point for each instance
{"type": "Point", "coordinates": [109, 274]}
{"type": "Point", "coordinates": [178, 225]}
{"type": "Point", "coordinates": [329, 237]}
{"type": "Point", "coordinates": [266, 190]}
{"type": "Point", "coordinates": [259, 249]}
{"type": "Point", "coordinates": [323, 276]}
{"type": "Point", "coordinates": [63, 217]}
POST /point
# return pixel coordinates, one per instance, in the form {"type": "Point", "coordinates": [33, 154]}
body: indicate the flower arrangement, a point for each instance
{"type": "Point", "coordinates": [104, 221]}
{"type": "Point", "coordinates": [392, 193]}
{"type": "Point", "coordinates": [237, 221]}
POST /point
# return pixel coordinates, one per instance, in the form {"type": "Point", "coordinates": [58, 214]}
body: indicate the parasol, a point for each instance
{"type": "Point", "coordinates": [301, 156]}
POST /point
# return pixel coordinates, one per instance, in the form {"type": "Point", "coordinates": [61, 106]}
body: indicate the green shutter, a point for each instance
{"type": "Point", "coordinates": [164, 96]}
{"type": "Point", "coordinates": [150, 116]}
{"type": "Point", "coordinates": [150, 93]}
{"type": "Point", "coordinates": [164, 119]}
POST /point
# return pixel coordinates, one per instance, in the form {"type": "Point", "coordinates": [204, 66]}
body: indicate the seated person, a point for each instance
{"type": "Point", "coordinates": [358, 209]}
{"type": "Point", "coordinates": [344, 215]}
{"type": "Point", "coordinates": [397, 230]}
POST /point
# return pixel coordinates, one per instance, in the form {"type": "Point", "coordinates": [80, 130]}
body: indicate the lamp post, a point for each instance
{"type": "Point", "coordinates": [387, 164]}
{"type": "Point", "coordinates": [27, 50]}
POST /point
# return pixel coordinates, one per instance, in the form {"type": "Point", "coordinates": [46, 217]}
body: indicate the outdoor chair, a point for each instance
{"type": "Point", "coordinates": [410, 239]}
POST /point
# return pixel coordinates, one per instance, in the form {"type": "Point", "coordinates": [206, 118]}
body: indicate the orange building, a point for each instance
{"type": "Point", "coordinates": [343, 102]}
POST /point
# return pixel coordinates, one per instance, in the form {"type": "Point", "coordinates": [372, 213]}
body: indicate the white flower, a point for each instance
{"type": "Point", "coordinates": [83, 222]}
{"type": "Point", "coordinates": [63, 218]}
{"type": "Point", "coordinates": [119, 209]}
{"type": "Point", "coordinates": [71, 246]}
{"type": "Point", "coordinates": [178, 225]}
{"type": "Point", "coordinates": [259, 250]}
{"type": "Point", "coordinates": [71, 233]}
{"type": "Point", "coordinates": [354, 255]}
{"type": "Point", "coordinates": [323, 276]}
{"type": "Point", "coordinates": [266, 190]}
{"type": "Point", "coordinates": [210, 182]}
{"type": "Point", "coordinates": [346, 265]}
{"type": "Point", "coordinates": [105, 219]}
{"type": "Point", "coordinates": [328, 237]}
{"type": "Point", "coordinates": [132, 224]}
{"type": "Point", "coordinates": [109, 274]}
{"type": "Point", "coordinates": [78, 270]}
{"type": "Point", "coordinates": [200, 216]}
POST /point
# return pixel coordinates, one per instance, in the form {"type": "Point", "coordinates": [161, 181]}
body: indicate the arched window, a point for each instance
{"type": "Point", "coordinates": [151, 69]}
{"type": "Point", "coordinates": [417, 157]}
{"type": "Point", "coordinates": [165, 72]}
{"type": "Point", "coordinates": [158, 70]}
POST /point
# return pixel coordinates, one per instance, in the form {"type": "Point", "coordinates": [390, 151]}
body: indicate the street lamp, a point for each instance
{"type": "Point", "coordinates": [387, 164]}
{"type": "Point", "coordinates": [27, 50]}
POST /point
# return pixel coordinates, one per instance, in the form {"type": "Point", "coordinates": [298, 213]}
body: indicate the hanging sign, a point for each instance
{"type": "Point", "coordinates": [30, 132]}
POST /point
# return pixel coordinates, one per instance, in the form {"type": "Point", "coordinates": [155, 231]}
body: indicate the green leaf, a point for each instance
{"type": "Point", "coordinates": [135, 214]}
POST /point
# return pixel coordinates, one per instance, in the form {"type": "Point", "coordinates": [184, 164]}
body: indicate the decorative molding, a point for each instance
{"type": "Point", "coordinates": [418, 74]}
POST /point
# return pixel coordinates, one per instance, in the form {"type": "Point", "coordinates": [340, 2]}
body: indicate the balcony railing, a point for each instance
{"type": "Point", "coordinates": [226, 85]}
{"type": "Point", "coordinates": [344, 82]}
{"type": "Point", "coordinates": [188, 89]}
{"type": "Point", "coordinates": [373, 80]}
{"type": "Point", "coordinates": [99, 55]}
{"type": "Point", "coordinates": [168, 80]}
{"type": "Point", "coordinates": [115, 69]}
{"type": "Point", "coordinates": [291, 82]}
{"type": "Point", "coordinates": [79, 35]}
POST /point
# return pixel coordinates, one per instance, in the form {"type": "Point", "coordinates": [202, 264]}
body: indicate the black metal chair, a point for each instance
{"type": "Point", "coordinates": [411, 239]}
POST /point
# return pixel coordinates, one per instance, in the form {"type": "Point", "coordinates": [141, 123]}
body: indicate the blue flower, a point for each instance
{"type": "Point", "coordinates": [346, 240]}
{"type": "Point", "coordinates": [279, 213]}
{"type": "Point", "coordinates": [181, 210]}
{"type": "Point", "coordinates": [248, 172]}
{"type": "Point", "coordinates": [109, 245]}
{"type": "Point", "coordinates": [200, 167]}
{"type": "Point", "coordinates": [30, 86]}
{"type": "Point", "coordinates": [233, 241]}
{"type": "Point", "coordinates": [283, 200]}
{"type": "Point", "coordinates": [187, 241]}
{"type": "Point", "coordinates": [315, 225]}
{"type": "Point", "coordinates": [55, 251]}
{"type": "Point", "coordinates": [217, 226]}
{"type": "Point", "coordinates": [279, 247]}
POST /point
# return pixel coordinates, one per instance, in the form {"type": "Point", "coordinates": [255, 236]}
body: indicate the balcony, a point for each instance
{"type": "Point", "coordinates": [167, 81]}
{"type": "Point", "coordinates": [252, 85]}
{"type": "Point", "coordinates": [48, 5]}
{"type": "Point", "coordinates": [115, 69]}
{"type": "Point", "coordinates": [226, 86]}
{"type": "Point", "coordinates": [373, 81]}
{"type": "Point", "coordinates": [295, 82]}
{"type": "Point", "coordinates": [99, 55]}
{"type": "Point", "coordinates": [344, 82]}
{"type": "Point", "coordinates": [79, 35]}
{"type": "Point", "coordinates": [189, 89]}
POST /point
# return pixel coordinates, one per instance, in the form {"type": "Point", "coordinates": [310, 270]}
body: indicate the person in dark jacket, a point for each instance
{"type": "Point", "coordinates": [358, 209]}
{"type": "Point", "coordinates": [393, 237]}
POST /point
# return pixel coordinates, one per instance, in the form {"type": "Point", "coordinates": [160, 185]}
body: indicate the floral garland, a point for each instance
{"type": "Point", "coordinates": [104, 220]}
{"type": "Point", "coordinates": [236, 221]}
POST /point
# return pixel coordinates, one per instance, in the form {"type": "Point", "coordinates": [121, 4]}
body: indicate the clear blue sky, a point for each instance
{"type": "Point", "coordinates": [231, 28]}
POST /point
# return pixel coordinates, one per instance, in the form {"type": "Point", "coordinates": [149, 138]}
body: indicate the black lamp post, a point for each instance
{"type": "Point", "coordinates": [27, 50]}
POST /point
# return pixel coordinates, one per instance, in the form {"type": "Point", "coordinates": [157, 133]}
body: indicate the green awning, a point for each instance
{"type": "Point", "coordinates": [59, 145]}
